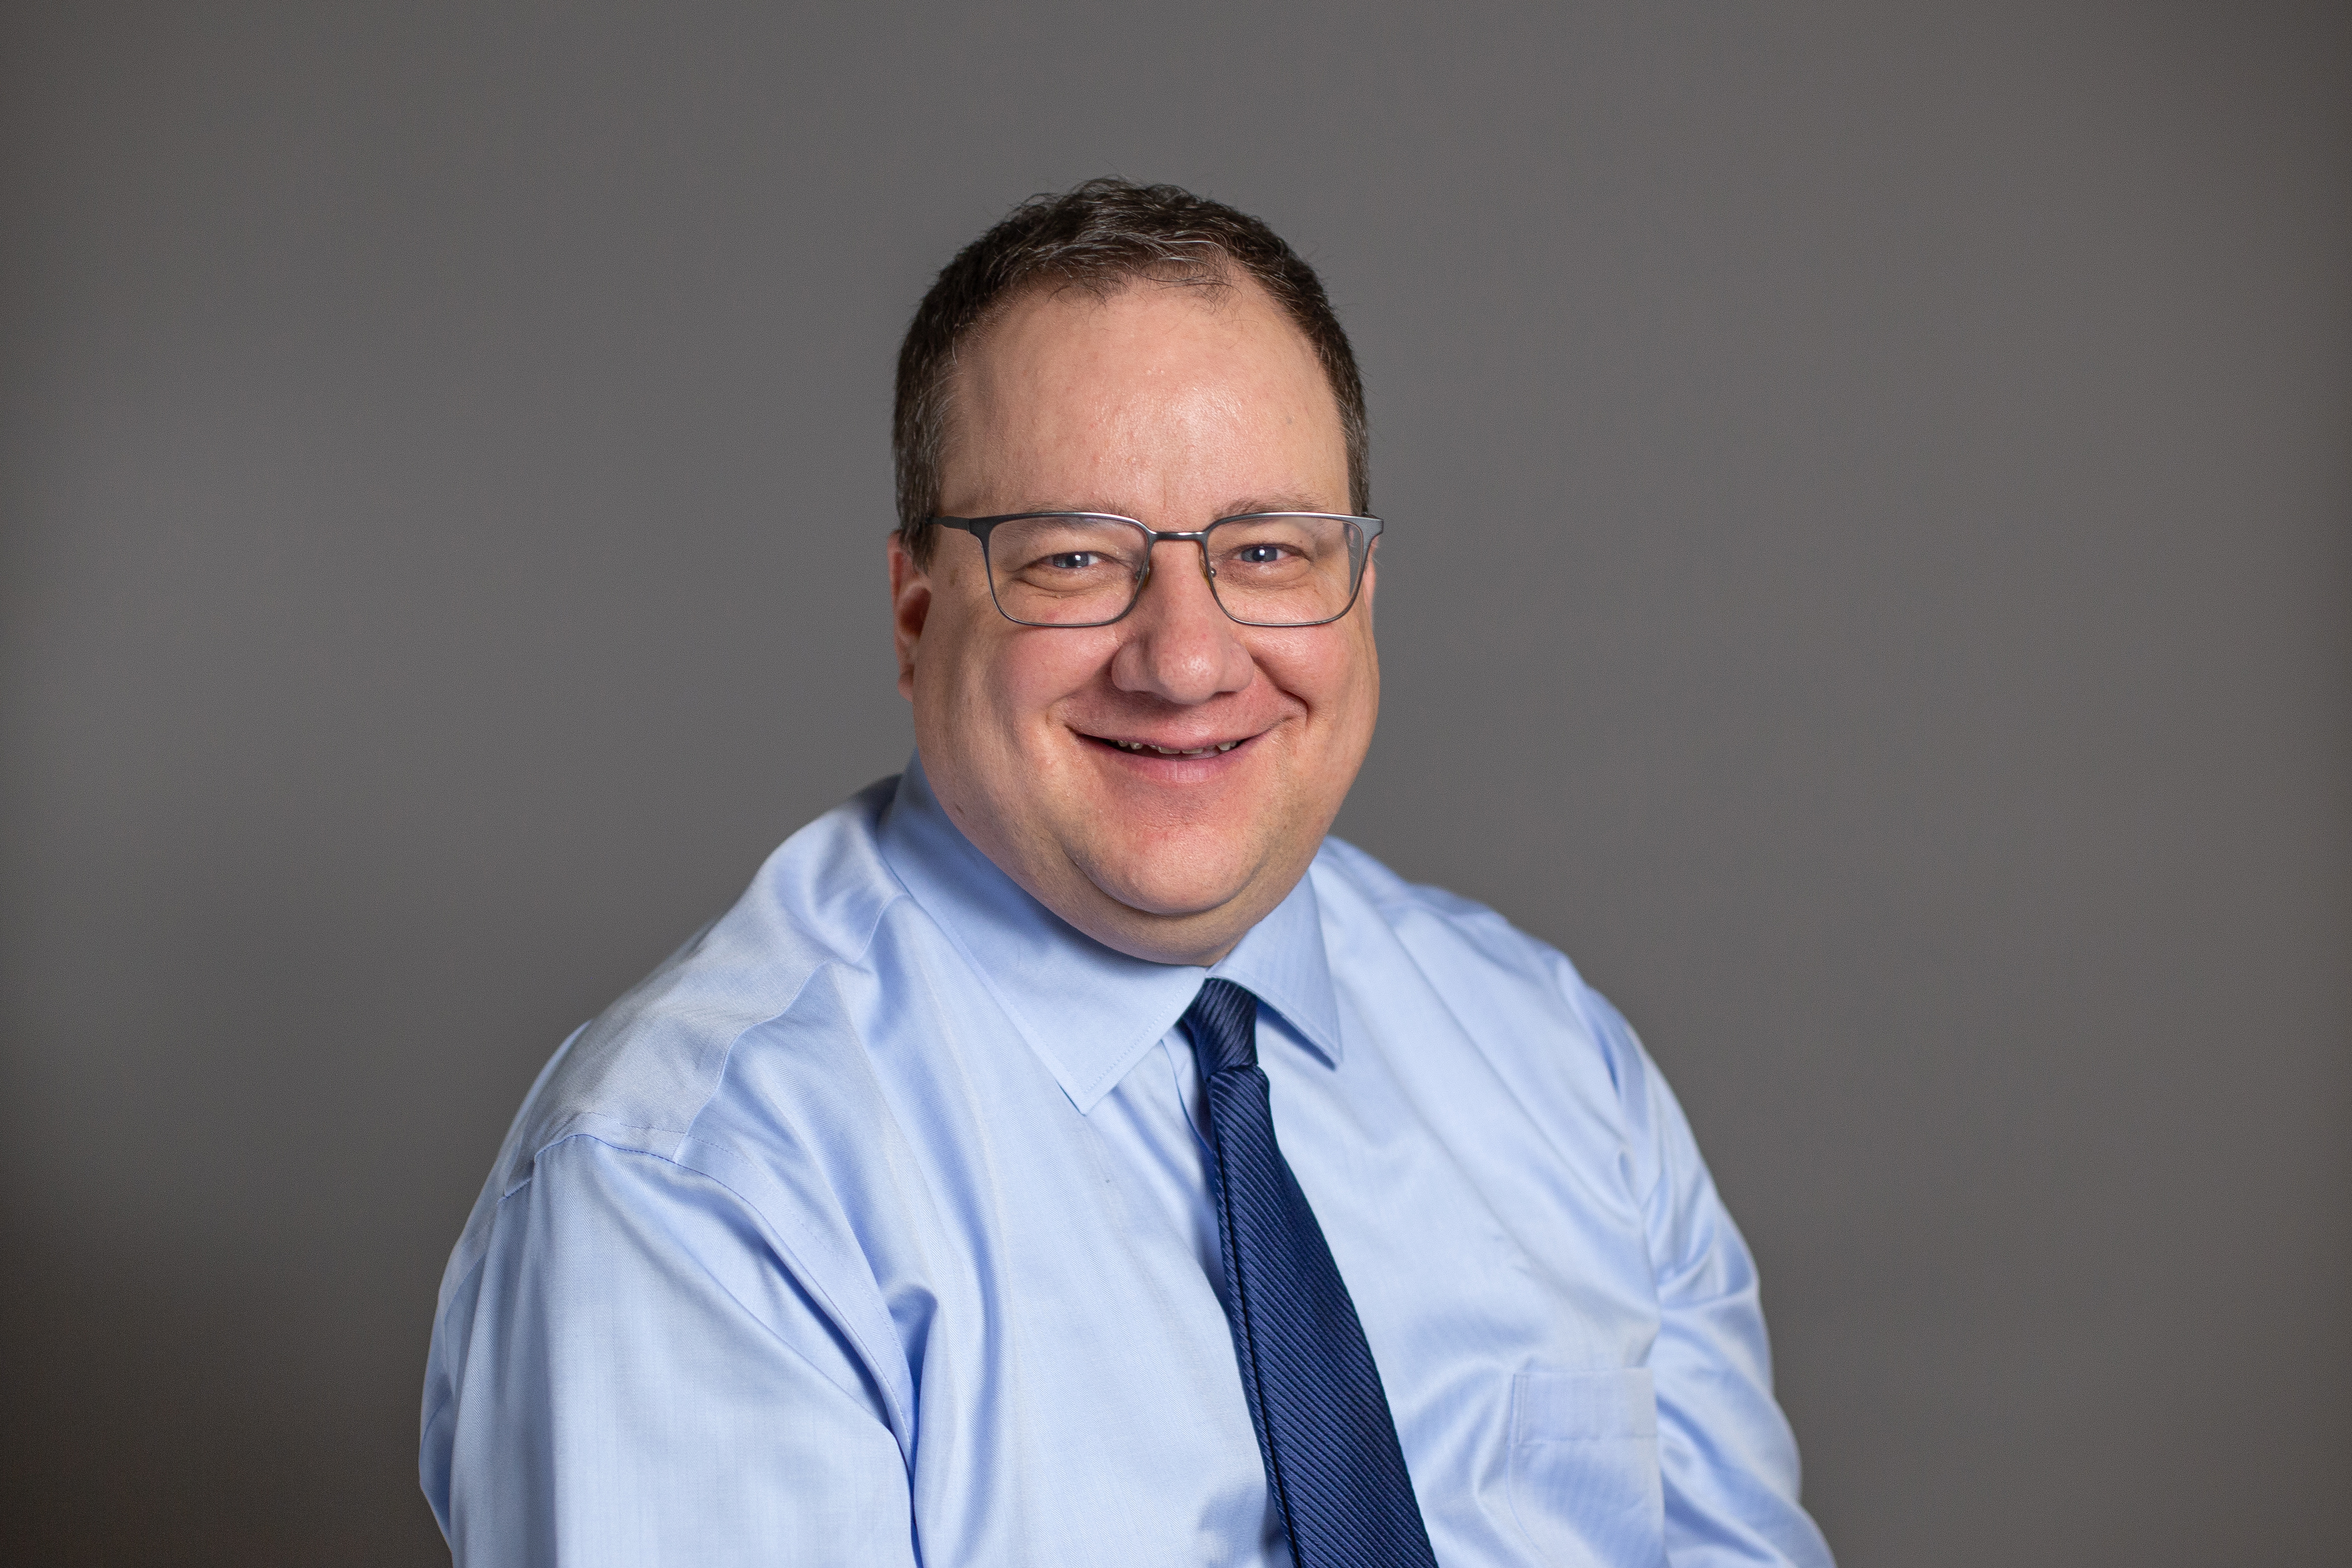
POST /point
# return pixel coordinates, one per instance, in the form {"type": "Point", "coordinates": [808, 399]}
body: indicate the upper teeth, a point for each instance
{"type": "Point", "coordinates": [1171, 751]}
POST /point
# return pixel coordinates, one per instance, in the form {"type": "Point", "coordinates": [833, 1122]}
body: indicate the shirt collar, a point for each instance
{"type": "Point", "coordinates": [1088, 1011]}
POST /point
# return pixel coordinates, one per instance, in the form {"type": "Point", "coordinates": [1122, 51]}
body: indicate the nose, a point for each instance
{"type": "Point", "coordinates": [1180, 646]}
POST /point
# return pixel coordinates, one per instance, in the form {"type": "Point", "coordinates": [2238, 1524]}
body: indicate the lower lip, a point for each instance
{"type": "Point", "coordinates": [1174, 770]}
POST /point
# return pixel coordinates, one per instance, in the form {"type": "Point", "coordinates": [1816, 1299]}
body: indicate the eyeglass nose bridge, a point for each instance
{"type": "Point", "coordinates": [1152, 553]}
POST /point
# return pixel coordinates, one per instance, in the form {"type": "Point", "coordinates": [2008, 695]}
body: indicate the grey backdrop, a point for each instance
{"type": "Point", "coordinates": [1871, 527]}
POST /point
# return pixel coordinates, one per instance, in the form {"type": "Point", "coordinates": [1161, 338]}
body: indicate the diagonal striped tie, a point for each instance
{"type": "Point", "coordinates": [1323, 1423]}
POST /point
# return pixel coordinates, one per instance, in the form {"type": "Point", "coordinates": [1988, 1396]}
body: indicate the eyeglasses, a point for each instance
{"type": "Point", "coordinates": [1088, 568]}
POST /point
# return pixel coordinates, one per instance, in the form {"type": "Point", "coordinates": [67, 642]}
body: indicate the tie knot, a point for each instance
{"type": "Point", "coordinates": [1223, 1022]}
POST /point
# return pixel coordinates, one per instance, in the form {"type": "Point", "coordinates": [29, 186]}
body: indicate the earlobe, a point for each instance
{"type": "Point", "coordinates": [910, 607]}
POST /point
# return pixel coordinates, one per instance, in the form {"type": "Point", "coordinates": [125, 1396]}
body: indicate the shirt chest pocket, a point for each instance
{"type": "Point", "coordinates": [1584, 1479]}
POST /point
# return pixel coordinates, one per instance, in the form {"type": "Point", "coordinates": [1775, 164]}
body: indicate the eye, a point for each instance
{"type": "Point", "coordinates": [1073, 560]}
{"type": "Point", "coordinates": [1259, 554]}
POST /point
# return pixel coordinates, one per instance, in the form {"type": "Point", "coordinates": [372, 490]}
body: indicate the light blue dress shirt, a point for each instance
{"type": "Point", "coordinates": [874, 1228]}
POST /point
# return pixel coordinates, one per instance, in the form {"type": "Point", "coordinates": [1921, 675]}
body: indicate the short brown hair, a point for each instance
{"type": "Point", "coordinates": [1100, 237]}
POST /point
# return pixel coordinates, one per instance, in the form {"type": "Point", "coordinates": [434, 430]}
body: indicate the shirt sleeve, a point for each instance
{"type": "Point", "coordinates": [1728, 1457]}
{"type": "Point", "coordinates": [629, 1376]}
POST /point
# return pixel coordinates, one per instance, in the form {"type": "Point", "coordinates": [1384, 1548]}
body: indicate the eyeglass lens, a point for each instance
{"type": "Point", "coordinates": [1281, 569]}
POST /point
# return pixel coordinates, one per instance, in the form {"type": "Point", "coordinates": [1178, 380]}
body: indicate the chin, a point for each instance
{"type": "Point", "coordinates": [1156, 882]}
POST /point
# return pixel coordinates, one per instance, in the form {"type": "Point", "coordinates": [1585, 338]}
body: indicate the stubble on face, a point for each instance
{"type": "Point", "coordinates": [1174, 406]}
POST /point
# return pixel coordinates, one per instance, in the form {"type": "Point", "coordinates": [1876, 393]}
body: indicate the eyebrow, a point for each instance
{"type": "Point", "coordinates": [1271, 503]}
{"type": "Point", "coordinates": [1245, 508]}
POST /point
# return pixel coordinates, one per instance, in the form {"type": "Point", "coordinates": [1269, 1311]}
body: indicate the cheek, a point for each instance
{"type": "Point", "coordinates": [1011, 681]}
{"type": "Point", "coordinates": [1331, 669]}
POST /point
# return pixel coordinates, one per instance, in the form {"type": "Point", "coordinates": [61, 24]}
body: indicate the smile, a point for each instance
{"type": "Point", "coordinates": [1208, 751]}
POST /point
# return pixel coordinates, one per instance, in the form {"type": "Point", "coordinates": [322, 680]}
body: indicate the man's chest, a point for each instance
{"type": "Point", "coordinates": [1079, 1395]}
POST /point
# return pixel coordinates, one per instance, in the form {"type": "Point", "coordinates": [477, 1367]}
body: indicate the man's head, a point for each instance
{"type": "Point", "coordinates": [1142, 352]}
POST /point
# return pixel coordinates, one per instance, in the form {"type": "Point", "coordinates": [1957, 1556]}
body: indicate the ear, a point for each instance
{"type": "Point", "coordinates": [910, 607]}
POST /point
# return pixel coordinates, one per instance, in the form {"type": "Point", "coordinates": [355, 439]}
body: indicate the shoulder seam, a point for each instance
{"type": "Point", "coordinates": [810, 1286]}
{"type": "Point", "coordinates": [696, 1171]}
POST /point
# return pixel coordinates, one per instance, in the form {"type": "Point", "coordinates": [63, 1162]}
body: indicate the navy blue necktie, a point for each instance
{"type": "Point", "coordinates": [1323, 1423]}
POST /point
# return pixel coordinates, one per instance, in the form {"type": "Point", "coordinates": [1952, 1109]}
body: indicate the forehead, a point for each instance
{"type": "Point", "coordinates": [1150, 378]}
{"type": "Point", "coordinates": [1050, 317]}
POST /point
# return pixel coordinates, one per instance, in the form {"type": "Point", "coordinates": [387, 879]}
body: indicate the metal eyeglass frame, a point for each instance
{"type": "Point", "coordinates": [979, 528]}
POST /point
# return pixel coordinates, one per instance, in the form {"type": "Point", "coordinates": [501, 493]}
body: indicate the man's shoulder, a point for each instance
{"type": "Point", "coordinates": [1351, 885]}
{"type": "Point", "coordinates": [642, 1072]}
{"type": "Point", "coordinates": [1498, 979]}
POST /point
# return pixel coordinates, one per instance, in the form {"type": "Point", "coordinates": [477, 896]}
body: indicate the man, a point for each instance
{"type": "Point", "coordinates": [1064, 1153]}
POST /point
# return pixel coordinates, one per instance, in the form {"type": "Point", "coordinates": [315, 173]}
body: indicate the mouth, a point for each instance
{"type": "Point", "coordinates": [1146, 749]}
